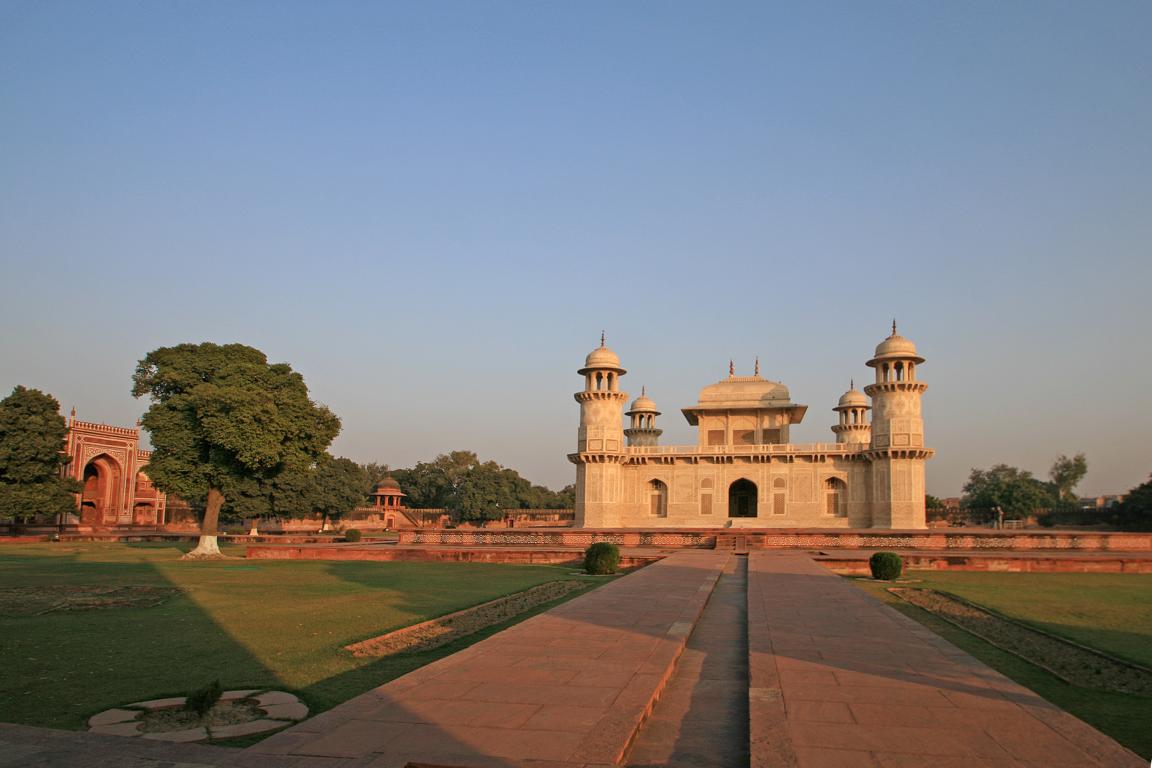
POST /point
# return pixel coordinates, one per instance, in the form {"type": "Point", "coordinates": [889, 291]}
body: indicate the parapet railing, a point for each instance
{"type": "Point", "coordinates": [776, 449]}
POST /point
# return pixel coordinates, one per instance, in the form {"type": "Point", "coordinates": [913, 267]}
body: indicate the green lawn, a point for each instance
{"type": "Point", "coordinates": [252, 624]}
{"type": "Point", "coordinates": [1109, 612]}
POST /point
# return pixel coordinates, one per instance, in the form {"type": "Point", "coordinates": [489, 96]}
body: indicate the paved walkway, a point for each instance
{"type": "Point", "coordinates": [839, 679]}
{"type": "Point", "coordinates": [701, 718]}
{"type": "Point", "coordinates": [832, 678]}
{"type": "Point", "coordinates": [566, 688]}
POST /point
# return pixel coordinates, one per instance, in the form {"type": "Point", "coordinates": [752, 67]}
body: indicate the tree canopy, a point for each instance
{"type": "Point", "coordinates": [1011, 489]}
{"type": "Point", "coordinates": [32, 442]}
{"type": "Point", "coordinates": [1066, 474]}
{"type": "Point", "coordinates": [225, 422]}
{"type": "Point", "coordinates": [476, 490]}
{"type": "Point", "coordinates": [1135, 512]}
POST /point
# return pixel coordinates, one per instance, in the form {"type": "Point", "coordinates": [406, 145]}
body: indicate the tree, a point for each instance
{"type": "Point", "coordinates": [1013, 490]}
{"type": "Point", "coordinates": [475, 490]}
{"type": "Point", "coordinates": [224, 421]}
{"type": "Point", "coordinates": [1135, 512]}
{"type": "Point", "coordinates": [32, 435]}
{"type": "Point", "coordinates": [1066, 473]}
{"type": "Point", "coordinates": [373, 474]}
{"type": "Point", "coordinates": [337, 487]}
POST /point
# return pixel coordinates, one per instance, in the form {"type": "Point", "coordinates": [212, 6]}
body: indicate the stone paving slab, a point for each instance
{"type": "Point", "coordinates": [837, 678]}
{"type": "Point", "coordinates": [569, 687]}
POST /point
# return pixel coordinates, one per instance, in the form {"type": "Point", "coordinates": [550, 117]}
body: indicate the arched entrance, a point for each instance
{"type": "Point", "coordinates": [100, 499]}
{"type": "Point", "coordinates": [742, 499]}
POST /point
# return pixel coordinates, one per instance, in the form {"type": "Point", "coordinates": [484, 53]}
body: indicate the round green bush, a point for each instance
{"type": "Point", "coordinates": [352, 534]}
{"type": "Point", "coordinates": [886, 566]}
{"type": "Point", "coordinates": [601, 558]}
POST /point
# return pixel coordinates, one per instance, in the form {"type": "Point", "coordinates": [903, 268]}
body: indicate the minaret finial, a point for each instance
{"type": "Point", "coordinates": [602, 335]}
{"type": "Point", "coordinates": [893, 326]}
{"type": "Point", "coordinates": [73, 413]}
{"type": "Point", "coordinates": [731, 369]}
{"type": "Point", "coordinates": [757, 370]}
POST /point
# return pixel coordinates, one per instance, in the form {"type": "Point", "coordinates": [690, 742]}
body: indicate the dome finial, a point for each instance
{"type": "Point", "coordinates": [757, 369]}
{"type": "Point", "coordinates": [643, 391]}
{"type": "Point", "coordinates": [731, 368]}
{"type": "Point", "coordinates": [602, 337]}
{"type": "Point", "coordinates": [893, 326]}
{"type": "Point", "coordinates": [851, 384]}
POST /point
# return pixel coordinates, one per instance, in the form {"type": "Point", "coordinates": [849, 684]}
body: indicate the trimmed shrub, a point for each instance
{"type": "Point", "coordinates": [601, 558]}
{"type": "Point", "coordinates": [203, 699]}
{"type": "Point", "coordinates": [352, 534]}
{"type": "Point", "coordinates": [886, 566]}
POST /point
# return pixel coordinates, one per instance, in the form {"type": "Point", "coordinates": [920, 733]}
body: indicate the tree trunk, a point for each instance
{"type": "Point", "coordinates": [208, 546]}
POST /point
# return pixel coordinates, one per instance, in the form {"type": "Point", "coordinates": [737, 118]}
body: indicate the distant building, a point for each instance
{"type": "Point", "coordinates": [117, 492]}
{"type": "Point", "coordinates": [744, 471]}
{"type": "Point", "coordinates": [1101, 503]}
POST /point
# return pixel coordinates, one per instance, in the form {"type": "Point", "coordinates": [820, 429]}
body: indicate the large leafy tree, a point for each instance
{"type": "Point", "coordinates": [1066, 474]}
{"type": "Point", "coordinates": [1013, 490]}
{"type": "Point", "coordinates": [32, 435]}
{"type": "Point", "coordinates": [223, 421]}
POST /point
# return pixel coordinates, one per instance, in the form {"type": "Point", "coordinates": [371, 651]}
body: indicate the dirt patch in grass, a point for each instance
{"type": "Point", "coordinates": [1071, 662]}
{"type": "Point", "coordinates": [38, 600]}
{"type": "Point", "coordinates": [437, 632]}
{"type": "Point", "coordinates": [180, 719]}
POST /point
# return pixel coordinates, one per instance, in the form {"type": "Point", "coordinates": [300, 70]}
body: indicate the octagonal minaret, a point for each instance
{"type": "Point", "coordinates": [853, 408]}
{"type": "Point", "coordinates": [600, 441]}
{"type": "Point", "coordinates": [897, 445]}
{"type": "Point", "coordinates": [643, 414]}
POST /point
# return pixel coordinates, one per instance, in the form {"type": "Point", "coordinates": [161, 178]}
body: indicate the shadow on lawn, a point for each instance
{"type": "Point", "coordinates": [63, 666]}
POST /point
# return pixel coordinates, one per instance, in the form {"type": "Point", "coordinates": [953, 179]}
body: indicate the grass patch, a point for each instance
{"type": "Point", "coordinates": [273, 624]}
{"type": "Point", "coordinates": [1110, 612]}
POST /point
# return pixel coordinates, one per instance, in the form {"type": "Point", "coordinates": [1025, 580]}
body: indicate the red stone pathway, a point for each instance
{"type": "Point", "coordinates": [838, 679]}
{"type": "Point", "coordinates": [701, 718]}
{"type": "Point", "coordinates": [565, 688]}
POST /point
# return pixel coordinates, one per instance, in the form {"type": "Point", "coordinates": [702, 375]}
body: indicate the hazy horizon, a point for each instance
{"type": "Point", "coordinates": [432, 210]}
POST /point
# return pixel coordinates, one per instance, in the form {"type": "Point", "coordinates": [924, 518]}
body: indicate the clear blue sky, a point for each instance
{"type": "Point", "coordinates": [432, 209]}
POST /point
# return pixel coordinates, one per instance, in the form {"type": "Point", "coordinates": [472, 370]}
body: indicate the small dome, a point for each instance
{"type": "Point", "coordinates": [602, 357]}
{"type": "Point", "coordinates": [387, 484]}
{"type": "Point", "coordinates": [643, 404]}
{"type": "Point", "coordinates": [853, 398]}
{"type": "Point", "coordinates": [895, 346]}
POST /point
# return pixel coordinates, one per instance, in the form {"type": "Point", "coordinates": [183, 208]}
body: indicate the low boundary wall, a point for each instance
{"type": "Point", "coordinates": [1010, 562]}
{"type": "Point", "coordinates": [476, 555]}
{"type": "Point", "coordinates": [708, 538]}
